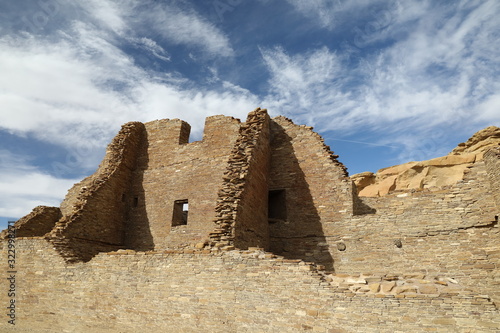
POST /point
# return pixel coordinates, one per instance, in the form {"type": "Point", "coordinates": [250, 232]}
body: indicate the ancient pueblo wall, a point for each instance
{"type": "Point", "coordinates": [276, 240]}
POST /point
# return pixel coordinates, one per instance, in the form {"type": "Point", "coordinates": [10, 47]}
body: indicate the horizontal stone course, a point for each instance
{"type": "Point", "coordinates": [223, 291]}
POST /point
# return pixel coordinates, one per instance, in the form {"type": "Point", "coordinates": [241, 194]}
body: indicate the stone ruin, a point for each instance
{"type": "Point", "coordinates": [258, 227]}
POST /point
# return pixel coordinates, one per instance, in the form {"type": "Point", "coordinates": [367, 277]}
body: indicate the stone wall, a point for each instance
{"type": "Point", "coordinates": [450, 232]}
{"type": "Point", "coordinates": [234, 291]}
{"type": "Point", "coordinates": [37, 223]}
{"type": "Point", "coordinates": [169, 170]}
{"type": "Point", "coordinates": [316, 188]}
{"type": "Point", "coordinates": [492, 161]}
{"type": "Point", "coordinates": [94, 210]}
{"type": "Point", "coordinates": [242, 203]}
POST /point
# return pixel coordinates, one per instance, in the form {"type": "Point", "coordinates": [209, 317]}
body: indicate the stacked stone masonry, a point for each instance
{"type": "Point", "coordinates": [255, 228]}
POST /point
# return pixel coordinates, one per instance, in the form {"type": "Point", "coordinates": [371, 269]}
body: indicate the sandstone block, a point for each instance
{"type": "Point", "coordinates": [386, 287]}
{"type": "Point", "coordinates": [428, 289]}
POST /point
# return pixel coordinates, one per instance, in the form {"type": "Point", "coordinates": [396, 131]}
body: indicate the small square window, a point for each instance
{"type": "Point", "coordinates": [180, 214]}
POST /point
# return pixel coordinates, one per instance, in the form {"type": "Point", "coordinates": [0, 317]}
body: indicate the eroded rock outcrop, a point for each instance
{"type": "Point", "coordinates": [431, 174]}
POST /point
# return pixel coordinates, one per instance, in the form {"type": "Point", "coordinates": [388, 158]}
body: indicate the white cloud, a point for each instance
{"type": "Point", "coordinates": [188, 27]}
{"type": "Point", "coordinates": [24, 187]}
{"type": "Point", "coordinates": [83, 85]}
{"type": "Point", "coordinates": [329, 14]}
{"type": "Point", "coordinates": [306, 86]}
{"type": "Point", "coordinates": [440, 75]}
{"type": "Point", "coordinates": [152, 47]}
{"type": "Point", "coordinates": [165, 19]}
{"type": "Point", "coordinates": [323, 10]}
{"type": "Point", "coordinates": [110, 14]}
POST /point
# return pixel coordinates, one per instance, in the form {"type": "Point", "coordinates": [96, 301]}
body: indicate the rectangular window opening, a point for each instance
{"type": "Point", "coordinates": [136, 201]}
{"type": "Point", "coordinates": [180, 214]}
{"type": "Point", "coordinates": [276, 205]}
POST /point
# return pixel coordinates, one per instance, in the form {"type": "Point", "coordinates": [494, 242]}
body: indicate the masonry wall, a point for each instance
{"type": "Point", "coordinates": [492, 161]}
{"type": "Point", "coordinates": [38, 222]}
{"type": "Point", "coordinates": [235, 291]}
{"type": "Point", "coordinates": [94, 210]}
{"type": "Point", "coordinates": [242, 200]}
{"type": "Point", "coordinates": [452, 232]}
{"type": "Point", "coordinates": [170, 168]}
{"type": "Point", "coordinates": [316, 187]}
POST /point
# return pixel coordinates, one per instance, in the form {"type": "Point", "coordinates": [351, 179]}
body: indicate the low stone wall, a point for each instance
{"type": "Point", "coordinates": [40, 221]}
{"type": "Point", "coordinates": [233, 291]}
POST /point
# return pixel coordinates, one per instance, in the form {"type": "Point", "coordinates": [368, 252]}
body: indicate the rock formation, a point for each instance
{"type": "Point", "coordinates": [431, 175]}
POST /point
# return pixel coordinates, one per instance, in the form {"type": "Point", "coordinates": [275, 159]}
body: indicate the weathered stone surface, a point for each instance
{"type": "Point", "coordinates": [480, 142]}
{"type": "Point", "coordinates": [386, 287]}
{"type": "Point", "coordinates": [37, 223]}
{"type": "Point", "coordinates": [428, 289]}
{"type": "Point", "coordinates": [431, 174]}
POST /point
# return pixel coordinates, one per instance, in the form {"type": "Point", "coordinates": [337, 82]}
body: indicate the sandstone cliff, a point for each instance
{"type": "Point", "coordinates": [432, 174]}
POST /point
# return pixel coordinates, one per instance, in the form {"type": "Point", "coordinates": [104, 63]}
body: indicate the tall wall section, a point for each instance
{"type": "Point", "coordinates": [314, 190]}
{"type": "Point", "coordinates": [235, 291]}
{"type": "Point", "coordinates": [242, 203]}
{"type": "Point", "coordinates": [171, 171]}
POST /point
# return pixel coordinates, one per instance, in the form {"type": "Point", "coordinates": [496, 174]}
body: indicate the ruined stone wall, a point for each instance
{"type": "Point", "coordinates": [94, 210]}
{"type": "Point", "coordinates": [37, 223]}
{"type": "Point", "coordinates": [170, 168]}
{"type": "Point", "coordinates": [235, 291]}
{"type": "Point", "coordinates": [316, 188]}
{"type": "Point", "coordinates": [492, 161]}
{"type": "Point", "coordinates": [242, 203]}
{"type": "Point", "coordinates": [451, 232]}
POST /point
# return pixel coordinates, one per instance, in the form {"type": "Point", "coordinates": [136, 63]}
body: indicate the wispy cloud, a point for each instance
{"type": "Point", "coordinates": [172, 21]}
{"type": "Point", "coordinates": [330, 14]}
{"type": "Point", "coordinates": [152, 47]}
{"type": "Point", "coordinates": [406, 90]}
{"type": "Point", "coordinates": [23, 187]}
{"type": "Point", "coordinates": [185, 26]}
{"type": "Point", "coordinates": [306, 86]}
{"type": "Point", "coordinates": [86, 88]}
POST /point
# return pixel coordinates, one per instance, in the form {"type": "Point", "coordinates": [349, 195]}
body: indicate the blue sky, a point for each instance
{"type": "Point", "coordinates": [384, 82]}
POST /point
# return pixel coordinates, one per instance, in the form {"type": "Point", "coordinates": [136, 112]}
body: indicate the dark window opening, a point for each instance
{"type": "Point", "coordinates": [276, 205]}
{"type": "Point", "coordinates": [123, 197]}
{"type": "Point", "coordinates": [180, 215]}
{"type": "Point", "coordinates": [136, 201]}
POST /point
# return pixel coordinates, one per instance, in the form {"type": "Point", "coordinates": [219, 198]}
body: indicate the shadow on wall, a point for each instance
{"type": "Point", "coordinates": [295, 228]}
{"type": "Point", "coordinates": [360, 207]}
{"type": "Point", "coordinates": [137, 227]}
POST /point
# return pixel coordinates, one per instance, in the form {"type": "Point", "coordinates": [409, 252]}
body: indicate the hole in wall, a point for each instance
{"type": "Point", "coordinates": [276, 205]}
{"type": "Point", "coordinates": [180, 214]}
